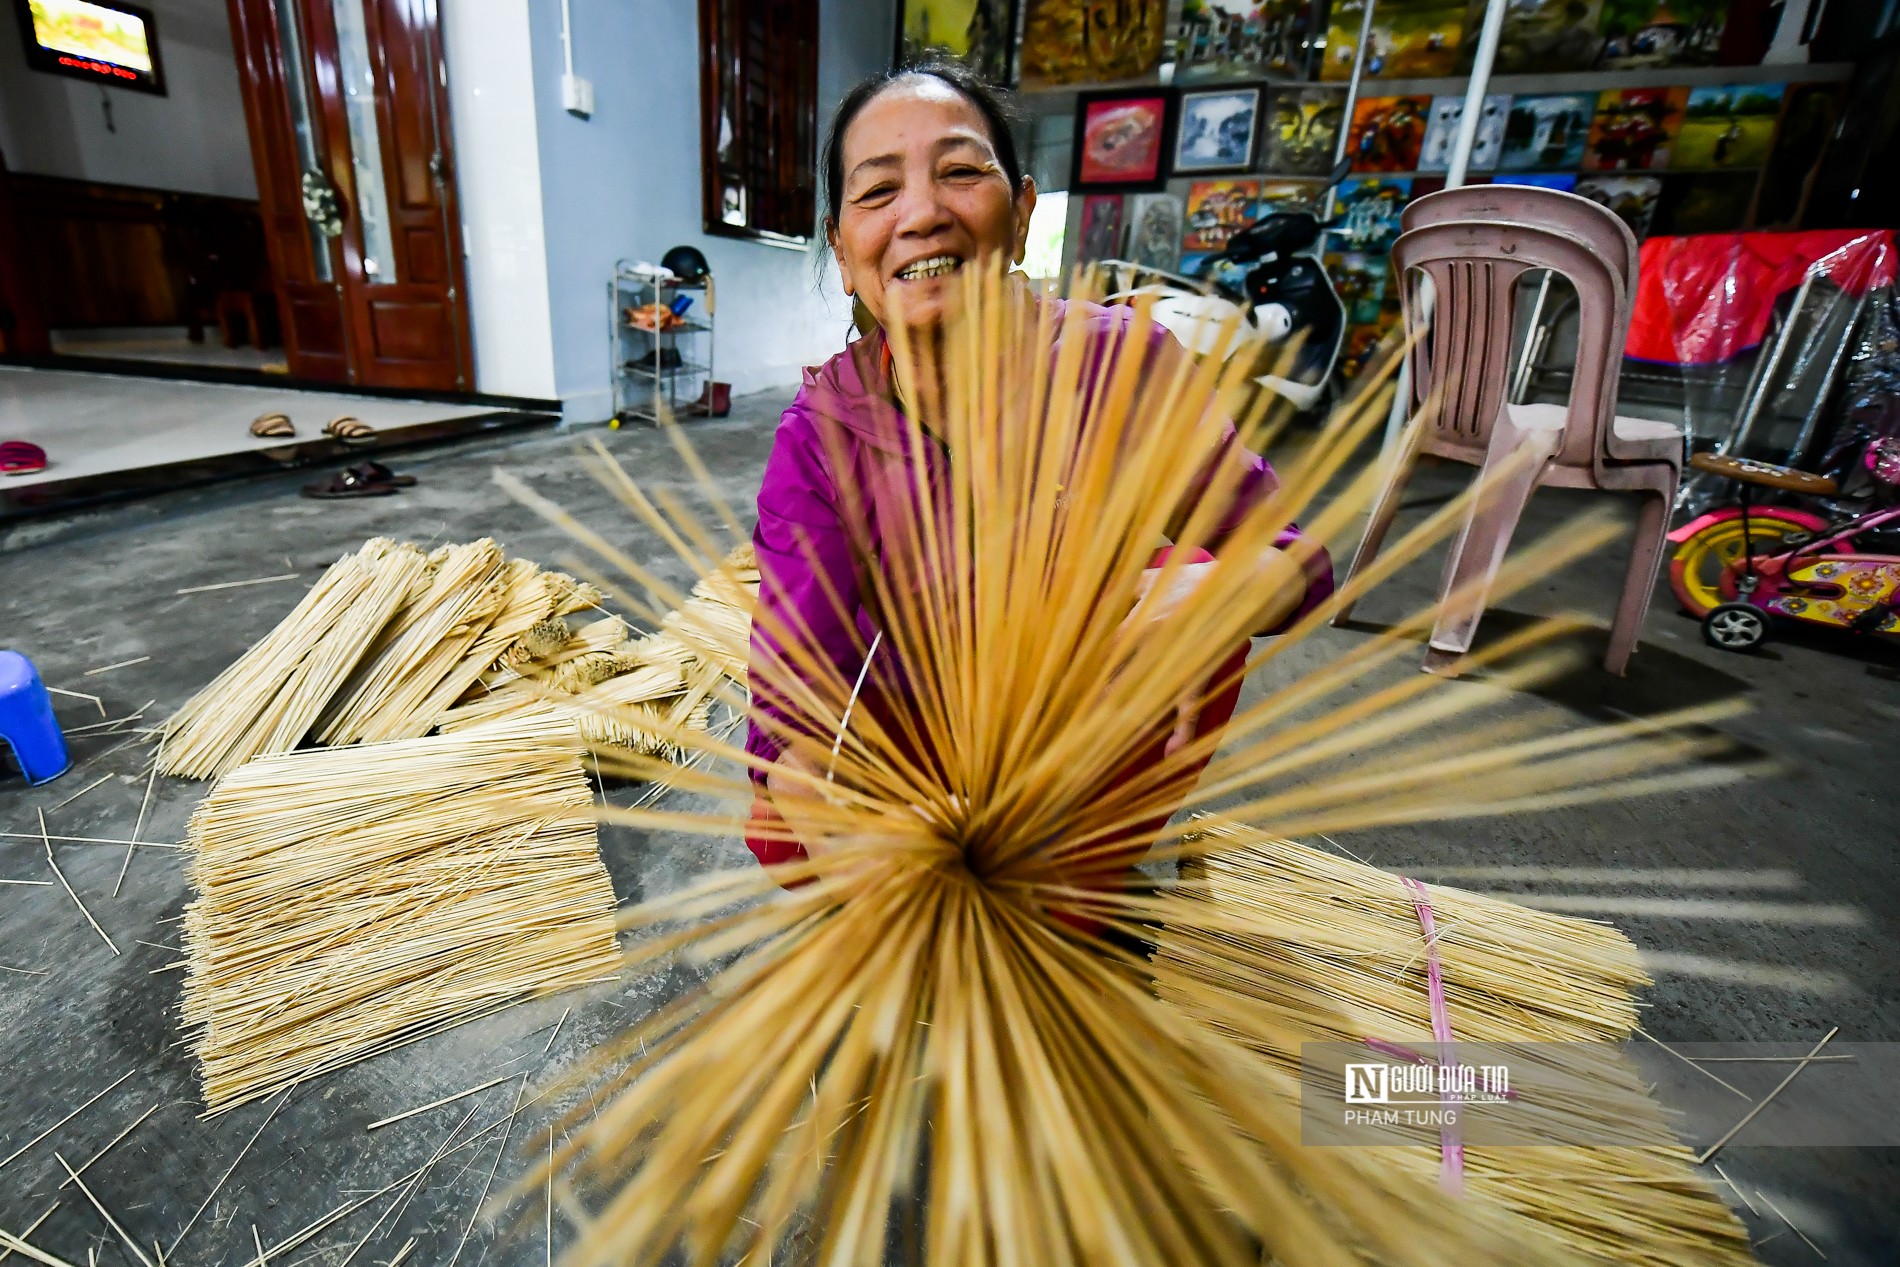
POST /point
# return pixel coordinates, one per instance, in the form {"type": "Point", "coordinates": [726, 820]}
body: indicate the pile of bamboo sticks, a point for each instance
{"type": "Point", "coordinates": [652, 696]}
{"type": "Point", "coordinates": [350, 900]}
{"type": "Point", "coordinates": [392, 643]}
{"type": "Point", "coordinates": [1292, 946]}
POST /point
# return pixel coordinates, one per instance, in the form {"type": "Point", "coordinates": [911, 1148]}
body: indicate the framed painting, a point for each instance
{"type": "Point", "coordinates": [1215, 130]}
{"type": "Point", "coordinates": [1121, 140]}
{"type": "Point", "coordinates": [1154, 230]}
{"type": "Point", "coordinates": [1092, 41]}
{"type": "Point", "coordinates": [1101, 228]}
{"type": "Point", "coordinates": [979, 33]}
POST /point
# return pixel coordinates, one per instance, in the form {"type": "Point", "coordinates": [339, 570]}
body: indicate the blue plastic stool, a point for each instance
{"type": "Point", "coordinates": [26, 721]}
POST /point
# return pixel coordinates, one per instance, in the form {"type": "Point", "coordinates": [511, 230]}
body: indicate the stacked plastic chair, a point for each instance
{"type": "Point", "coordinates": [1473, 245]}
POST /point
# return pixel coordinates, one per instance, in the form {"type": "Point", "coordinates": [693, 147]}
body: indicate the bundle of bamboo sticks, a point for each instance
{"type": "Point", "coordinates": [354, 899]}
{"type": "Point", "coordinates": [392, 643]}
{"type": "Point", "coordinates": [1298, 946]}
{"type": "Point", "coordinates": [652, 696]}
{"type": "Point", "coordinates": [923, 1010]}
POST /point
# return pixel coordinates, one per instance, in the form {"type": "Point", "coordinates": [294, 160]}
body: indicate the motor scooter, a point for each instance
{"type": "Point", "coordinates": [1263, 294]}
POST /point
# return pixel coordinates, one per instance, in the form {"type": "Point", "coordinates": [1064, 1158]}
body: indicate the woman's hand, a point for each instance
{"type": "Point", "coordinates": [1280, 578]}
{"type": "Point", "coordinates": [793, 796]}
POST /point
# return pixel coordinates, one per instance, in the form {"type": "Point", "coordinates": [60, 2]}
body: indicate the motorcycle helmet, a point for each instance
{"type": "Point", "coordinates": [687, 263]}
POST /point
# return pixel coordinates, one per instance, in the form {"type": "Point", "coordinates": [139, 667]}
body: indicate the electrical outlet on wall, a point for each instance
{"type": "Point", "coordinates": [577, 95]}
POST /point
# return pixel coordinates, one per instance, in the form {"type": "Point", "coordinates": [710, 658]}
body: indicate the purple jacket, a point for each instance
{"type": "Point", "coordinates": [802, 517]}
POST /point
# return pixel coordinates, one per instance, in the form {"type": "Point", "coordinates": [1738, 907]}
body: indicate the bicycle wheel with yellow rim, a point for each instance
{"type": "Point", "coordinates": [1699, 564]}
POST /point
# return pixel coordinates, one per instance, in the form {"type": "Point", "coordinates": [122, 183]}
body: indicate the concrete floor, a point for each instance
{"type": "Point", "coordinates": [95, 588]}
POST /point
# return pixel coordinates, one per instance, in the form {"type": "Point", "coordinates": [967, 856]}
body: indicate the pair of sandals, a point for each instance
{"type": "Point", "coordinates": [365, 479]}
{"type": "Point", "coordinates": [348, 429]}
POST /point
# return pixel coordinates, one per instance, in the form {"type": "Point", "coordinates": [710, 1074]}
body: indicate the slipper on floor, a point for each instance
{"type": "Point", "coordinates": [21, 457]}
{"type": "Point", "coordinates": [265, 426]}
{"type": "Point", "coordinates": [347, 484]}
{"type": "Point", "coordinates": [350, 430]}
{"type": "Point", "coordinates": [377, 473]}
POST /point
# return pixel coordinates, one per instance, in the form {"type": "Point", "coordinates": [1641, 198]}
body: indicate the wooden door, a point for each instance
{"type": "Point", "coordinates": [348, 105]}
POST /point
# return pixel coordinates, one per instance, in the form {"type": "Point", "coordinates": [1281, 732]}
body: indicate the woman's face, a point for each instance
{"type": "Point", "coordinates": [923, 195]}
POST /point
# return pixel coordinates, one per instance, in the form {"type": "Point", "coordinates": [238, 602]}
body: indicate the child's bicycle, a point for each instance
{"type": "Point", "coordinates": [1736, 567]}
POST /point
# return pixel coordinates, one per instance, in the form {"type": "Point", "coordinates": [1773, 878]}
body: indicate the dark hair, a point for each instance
{"type": "Point", "coordinates": [991, 104]}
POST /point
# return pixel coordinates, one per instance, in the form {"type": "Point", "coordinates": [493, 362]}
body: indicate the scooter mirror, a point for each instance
{"type": "Point", "coordinates": [1341, 170]}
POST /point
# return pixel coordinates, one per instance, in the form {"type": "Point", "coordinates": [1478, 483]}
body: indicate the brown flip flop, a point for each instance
{"type": "Point", "coordinates": [265, 426]}
{"type": "Point", "coordinates": [376, 473]}
{"type": "Point", "coordinates": [347, 484]}
{"type": "Point", "coordinates": [350, 430]}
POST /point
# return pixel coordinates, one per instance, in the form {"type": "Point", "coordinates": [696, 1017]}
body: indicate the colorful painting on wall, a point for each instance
{"type": "Point", "coordinates": [1634, 128]}
{"type": "Point", "coordinates": [1101, 228]}
{"type": "Point", "coordinates": [1092, 41]}
{"type": "Point", "coordinates": [1360, 279]}
{"type": "Point", "coordinates": [1441, 133]}
{"type": "Point", "coordinates": [1120, 139]}
{"type": "Point", "coordinates": [1632, 198]}
{"type": "Point", "coordinates": [1367, 212]}
{"type": "Point", "coordinates": [1547, 131]}
{"type": "Point", "coordinates": [1387, 133]}
{"type": "Point", "coordinates": [1239, 39]}
{"type": "Point", "coordinates": [1215, 129]}
{"type": "Point", "coordinates": [1290, 195]}
{"type": "Point", "coordinates": [1409, 39]}
{"type": "Point", "coordinates": [1216, 210]}
{"type": "Point", "coordinates": [979, 33]}
{"type": "Point", "coordinates": [1732, 126]}
{"type": "Point", "coordinates": [1639, 33]}
{"type": "Point", "coordinates": [1154, 230]}
{"type": "Point", "coordinates": [1539, 36]}
{"type": "Point", "coordinates": [1303, 130]}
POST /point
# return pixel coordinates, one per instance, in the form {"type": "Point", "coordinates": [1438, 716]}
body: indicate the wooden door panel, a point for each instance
{"type": "Point", "coordinates": [413, 330]}
{"type": "Point", "coordinates": [314, 319]}
{"type": "Point", "coordinates": [424, 253]}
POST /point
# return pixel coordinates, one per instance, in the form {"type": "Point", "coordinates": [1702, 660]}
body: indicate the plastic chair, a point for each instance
{"type": "Point", "coordinates": [1537, 207]}
{"type": "Point", "coordinates": [1462, 368]}
{"type": "Point", "coordinates": [27, 725]}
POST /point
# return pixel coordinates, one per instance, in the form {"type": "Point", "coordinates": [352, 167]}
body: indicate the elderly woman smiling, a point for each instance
{"type": "Point", "coordinates": [922, 180]}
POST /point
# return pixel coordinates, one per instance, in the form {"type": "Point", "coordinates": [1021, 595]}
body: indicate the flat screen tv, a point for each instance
{"type": "Point", "coordinates": [100, 40]}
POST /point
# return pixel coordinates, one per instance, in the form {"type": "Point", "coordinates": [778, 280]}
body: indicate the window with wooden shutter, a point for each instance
{"type": "Point", "coordinates": [758, 70]}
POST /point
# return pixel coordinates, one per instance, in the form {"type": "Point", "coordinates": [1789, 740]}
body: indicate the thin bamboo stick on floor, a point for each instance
{"type": "Point", "coordinates": [6, 1252]}
{"type": "Point", "coordinates": [130, 1243]}
{"type": "Point", "coordinates": [64, 884]}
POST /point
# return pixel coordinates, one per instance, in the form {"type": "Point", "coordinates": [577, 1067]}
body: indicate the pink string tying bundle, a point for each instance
{"type": "Point", "coordinates": [1451, 1170]}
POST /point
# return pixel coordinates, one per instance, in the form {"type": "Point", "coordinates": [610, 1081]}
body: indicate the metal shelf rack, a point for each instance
{"type": "Point", "coordinates": [652, 369]}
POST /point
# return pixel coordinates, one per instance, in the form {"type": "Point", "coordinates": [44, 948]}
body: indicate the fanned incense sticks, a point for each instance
{"type": "Point", "coordinates": [353, 899]}
{"type": "Point", "coordinates": [924, 1020]}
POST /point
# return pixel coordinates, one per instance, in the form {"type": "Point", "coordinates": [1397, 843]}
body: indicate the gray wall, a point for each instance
{"type": "Point", "coordinates": [625, 183]}
{"type": "Point", "coordinates": [192, 140]}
